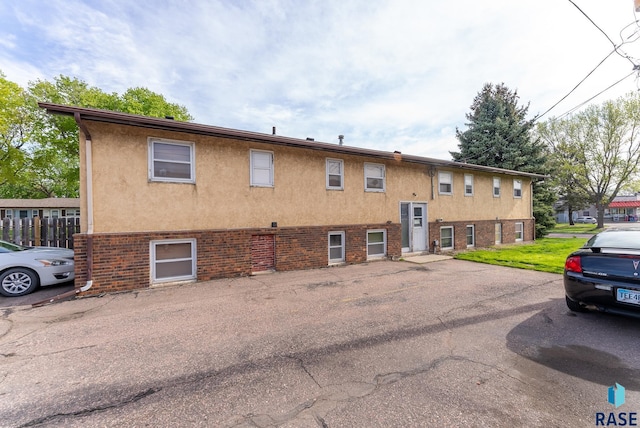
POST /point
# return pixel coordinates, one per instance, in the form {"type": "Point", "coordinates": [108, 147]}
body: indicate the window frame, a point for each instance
{"type": "Point", "coordinates": [383, 177]}
{"type": "Point", "coordinates": [498, 187]}
{"type": "Point", "coordinates": [470, 176]}
{"type": "Point", "coordinates": [517, 190]}
{"type": "Point", "coordinates": [473, 235]}
{"type": "Point", "coordinates": [341, 163]}
{"type": "Point", "coordinates": [152, 258]}
{"type": "Point", "coordinates": [519, 232]}
{"type": "Point", "coordinates": [384, 243]}
{"type": "Point", "coordinates": [151, 160]}
{"type": "Point", "coordinates": [252, 167]}
{"type": "Point", "coordinates": [442, 174]}
{"type": "Point", "coordinates": [442, 247]}
{"type": "Point", "coordinates": [342, 247]}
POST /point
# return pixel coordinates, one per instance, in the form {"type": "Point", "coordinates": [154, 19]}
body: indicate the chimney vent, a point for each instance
{"type": "Point", "coordinates": [340, 137]}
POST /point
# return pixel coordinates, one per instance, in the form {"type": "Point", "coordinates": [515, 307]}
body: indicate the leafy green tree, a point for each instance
{"type": "Point", "coordinates": [598, 148]}
{"type": "Point", "coordinates": [568, 185]}
{"type": "Point", "coordinates": [42, 150]}
{"type": "Point", "coordinates": [499, 134]}
{"type": "Point", "coordinates": [15, 131]}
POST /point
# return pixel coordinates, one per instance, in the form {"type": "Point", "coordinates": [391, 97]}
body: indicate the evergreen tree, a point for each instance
{"type": "Point", "coordinates": [499, 135]}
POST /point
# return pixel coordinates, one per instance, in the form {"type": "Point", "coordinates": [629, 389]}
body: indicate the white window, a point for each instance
{"type": "Point", "coordinates": [261, 168]}
{"type": "Point", "coordinates": [471, 235]}
{"type": "Point", "coordinates": [446, 238]}
{"type": "Point", "coordinates": [55, 213]}
{"type": "Point", "coordinates": [335, 174]}
{"type": "Point", "coordinates": [519, 231]}
{"type": "Point", "coordinates": [468, 185]}
{"type": "Point", "coordinates": [376, 243]}
{"type": "Point", "coordinates": [171, 161]}
{"type": "Point", "coordinates": [34, 213]}
{"type": "Point", "coordinates": [8, 214]}
{"type": "Point", "coordinates": [517, 188]}
{"type": "Point", "coordinates": [173, 260]}
{"type": "Point", "coordinates": [374, 177]}
{"type": "Point", "coordinates": [498, 233]}
{"type": "Point", "coordinates": [336, 247]}
{"type": "Point", "coordinates": [445, 183]}
{"type": "Point", "coordinates": [496, 187]}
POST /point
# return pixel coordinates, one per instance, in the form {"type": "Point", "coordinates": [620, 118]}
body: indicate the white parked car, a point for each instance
{"type": "Point", "coordinates": [591, 220]}
{"type": "Point", "coordinates": [23, 269]}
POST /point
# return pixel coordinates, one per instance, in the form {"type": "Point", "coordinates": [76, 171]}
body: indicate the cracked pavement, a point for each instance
{"type": "Point", "coordinates": [450, 343]}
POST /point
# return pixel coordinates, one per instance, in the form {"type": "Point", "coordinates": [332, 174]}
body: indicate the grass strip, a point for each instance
{"type": "Point", "coordinates": [545, 255]}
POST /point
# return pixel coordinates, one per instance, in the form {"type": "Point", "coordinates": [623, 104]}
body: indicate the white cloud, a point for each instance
{"type": "Point", "coordinates": [392, 75]}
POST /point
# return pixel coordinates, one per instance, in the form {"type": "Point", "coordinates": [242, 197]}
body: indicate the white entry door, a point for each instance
{"type": "Point", "coordinates": [414, 233]}
{"type": "Point", "coordinates": [419, 226]}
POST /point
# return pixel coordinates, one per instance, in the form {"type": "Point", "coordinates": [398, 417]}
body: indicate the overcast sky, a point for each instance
{"type": "Point", "coordinates": [388, 75]}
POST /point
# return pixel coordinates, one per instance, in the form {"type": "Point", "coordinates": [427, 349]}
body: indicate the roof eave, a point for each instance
{"type": "Point", "coordinates": [114, 117]}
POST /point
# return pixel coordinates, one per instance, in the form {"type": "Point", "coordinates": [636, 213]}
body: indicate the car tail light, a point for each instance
{"type": "Point", "coordinates": [573, 264]}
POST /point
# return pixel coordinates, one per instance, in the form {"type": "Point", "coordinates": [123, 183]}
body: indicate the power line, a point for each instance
{"type": "Point", "coordinates": [596, 95]}
{"type": "Point", "coordinates": [615, 49]}
{"type": "Point", "coordinates": [576, 87]}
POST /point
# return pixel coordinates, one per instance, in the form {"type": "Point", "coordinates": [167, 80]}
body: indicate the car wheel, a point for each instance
{"type": "Point", "coordinates": [574, 306]}
{"type": "Point", "coordinates": [17, 282]}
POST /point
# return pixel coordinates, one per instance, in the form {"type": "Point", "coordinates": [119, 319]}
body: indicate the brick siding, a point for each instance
{"type": "Point", "coordinates": [122, 261]}
{"type": "Point", "coordinates": [485, 234]}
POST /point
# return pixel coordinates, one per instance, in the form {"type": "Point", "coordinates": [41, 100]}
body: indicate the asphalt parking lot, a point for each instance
{"type": "Point", "coordinates": [40, 295]}
{"type": "Point", "coordinates": [385, 344]}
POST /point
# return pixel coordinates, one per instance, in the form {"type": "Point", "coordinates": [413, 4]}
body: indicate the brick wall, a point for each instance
{"type": "Point", "coordinates": [122, 261]}
{"type": "Point", "coordinates": [263, 253]}
{"type": "Point", "coordinates": [484, 232]}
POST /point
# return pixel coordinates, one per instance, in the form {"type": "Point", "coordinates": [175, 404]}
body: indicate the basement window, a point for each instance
{"type": "Point", "coordinates": [376, 244]}
{"type": "Point", "coordinates": [336, 247]}
{"type": "Point", "coordinates": [173, 260]}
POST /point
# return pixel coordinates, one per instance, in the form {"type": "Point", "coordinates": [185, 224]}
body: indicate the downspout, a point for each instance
{"type": "Point", "coordinates": [432, 173]}
{"type": "Point", "coordinates": [89, 183]}
{"type": "Point", "coordinates": [531, 210]}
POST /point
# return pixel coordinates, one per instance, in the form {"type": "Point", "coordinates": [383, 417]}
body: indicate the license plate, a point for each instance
{"type": "Point", "coordinates": [628, 296]}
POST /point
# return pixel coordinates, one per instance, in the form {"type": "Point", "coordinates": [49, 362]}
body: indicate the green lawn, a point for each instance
{"type": "Point", "coordinates": [576, 228]}
{"type": "Point", "coordinates": [546, 255]}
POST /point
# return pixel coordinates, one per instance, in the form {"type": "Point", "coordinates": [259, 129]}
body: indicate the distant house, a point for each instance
{"type": "Point", "coordinates": [624, 208]}
{"type": "Point", "coordinates": [47, 207]}
{"type": "Point", "coordinates": [164, 201]}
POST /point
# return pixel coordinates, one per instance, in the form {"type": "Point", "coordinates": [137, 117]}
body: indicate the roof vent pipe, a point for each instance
{"type": "Point", "coordinates": [273, 130]}
{"type": "Point", "coordinates": [340, 138]}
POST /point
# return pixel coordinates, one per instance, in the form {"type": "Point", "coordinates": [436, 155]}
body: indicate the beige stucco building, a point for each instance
{"type": "Point", "coordinates": [165, 201]}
